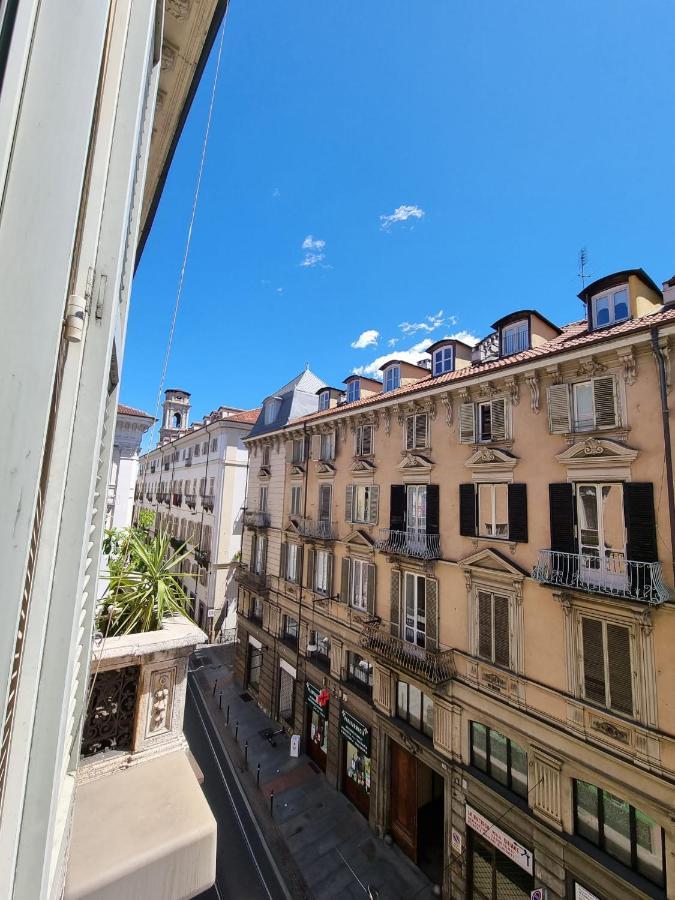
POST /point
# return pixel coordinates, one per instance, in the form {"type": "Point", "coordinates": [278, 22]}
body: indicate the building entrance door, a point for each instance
{"type": "Point", "coordinates": [403, 795]}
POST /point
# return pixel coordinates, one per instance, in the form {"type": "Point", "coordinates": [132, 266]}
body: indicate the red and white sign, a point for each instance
{"type": "Point", "coordinates": [580, 893]}
{"type": "Point", "coordinates": [520, 855]}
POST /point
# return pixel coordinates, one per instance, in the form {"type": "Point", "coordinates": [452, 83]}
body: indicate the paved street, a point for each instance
{"type": "Point", "coordinates": [244, 870]}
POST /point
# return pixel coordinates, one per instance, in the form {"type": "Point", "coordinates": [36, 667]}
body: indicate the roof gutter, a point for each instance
{"type": "Point", "coordinates": [668, 450]}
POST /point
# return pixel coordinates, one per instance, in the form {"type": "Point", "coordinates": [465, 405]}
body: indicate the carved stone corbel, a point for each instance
{"type": "Point", "coordinates": [464, 395]}
{"type": "Point", "coordinates": [386, 415]}
{"type": "Point", "coordinates": [554, 373]}
{"type": "Point", "coordinates": [446, 400]}
{"type": "Point", "coordinates": [376, 420]}
{"type": "Point", "coordinates": [591, 366]}
{"type": "Point", "coordinates": [644, 619]}
{"type": "Point", "coordinates": [487, 390]}
{"type": "Point", "coordinates": [513, 390]}
{"type": "Point", "coordinates": [532, 380]}
{"type": "Point", "coordinates": [432, 409]}
{"type": "Point", "coordinates": [629, 362]}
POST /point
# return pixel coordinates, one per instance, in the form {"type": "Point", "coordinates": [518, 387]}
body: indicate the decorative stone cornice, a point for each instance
{"type": "Point", "coordinates": [590, 366]}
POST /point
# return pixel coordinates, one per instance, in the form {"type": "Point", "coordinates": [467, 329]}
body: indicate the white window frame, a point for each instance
{"type": "Point", "coordinates": [426, 442]}
{"type": "Point", "coordinates": [324, 400]}
{"type": "Point", "coordinates": [292, 557]}
{"type": "Point", "coordinates": [414, 620]}
{"type": "Point", "coordinates": [513, 333]}
{"type": "Point", "coordinates": [493, 485]}
{"type": "Point", "coordinates": [443, 360]}
{"type": "Point", "coordinates": [296, 507]}
{"type": "Point", "coordinates": [262, 498]}
{"type": "Point", "coordinates": [327, 446]}
{"type": "Point", "coordinates": [353, 391]}
{"type": "Point", "coordinates": [321, 571]}
{"type": "Point", "coordinates": [259, 561]}
{"type": "Point", "coordinates": [362, 490]}
{"type": "Point", "coordinates": [358, 584]}
{"type": "Point", "coordinates": [359, 442]}
{"type": "Point", "coordinates": [610, 295]}
{"type": "Point", "coordinates": [392, 378]}
{"type": "Point", "coordinates": [272, 407]}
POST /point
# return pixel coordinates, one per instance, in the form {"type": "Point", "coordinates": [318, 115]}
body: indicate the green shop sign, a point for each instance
{"type": "Point", "coordinates": [356, 732]}
{"type": "Point", "coordinates": [312, 698]}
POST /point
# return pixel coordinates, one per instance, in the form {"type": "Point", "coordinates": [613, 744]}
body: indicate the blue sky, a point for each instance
{"type": "Point", "coordinates": [506, 135]}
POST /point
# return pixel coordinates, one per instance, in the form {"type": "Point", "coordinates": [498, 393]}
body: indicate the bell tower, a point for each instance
{"type": "Point", "coordinates": [176, 416]}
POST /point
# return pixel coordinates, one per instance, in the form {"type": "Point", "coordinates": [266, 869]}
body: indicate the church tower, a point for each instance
{"type": "Point", "coordinates": [176, 416]}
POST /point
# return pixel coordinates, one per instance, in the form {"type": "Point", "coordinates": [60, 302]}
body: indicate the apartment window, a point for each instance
{"type": "Point", "coordinates": [483, 422]}
{"type": "Point", "coordinates": [364, 440]}
{"type": "Point", "coordinates": [262, 501]}
{"type": "Point", "coordinates": [620, 830]}
{"type": "Point", "coordinates": [290, 629]}
{"type": "Point", "coordinates": [214, 445]}
{"type": "Point", "coordinates": [358, 583]}
{"type": "Point", "coordinates": [296, 500]}
{"type": "Point", "coordinates": [202, 486]}
{"type": "Point", "coordinates": [415, 707]}
{"type": "Point", "coordinates": [610, 307]}
{"type": "Point", "coordinates": [266, 455]}
{"type": "Point", "coordinates": [327, 447]}
{"type": "Point", "coordinates": [414, 609]}
{"type": "Point", "coordinates": [205, 448]}
{"type": "Point", "coordinates": [392, 378]}
{"type": "Point", "coordinates": [500, 758]}
{"type": "Point", "coordinates": [298, 450]}
{"type": "Point", "coordinates": [362, 503]}
{"type": "Point", "coordinates": [197, 450]}
{"type": "Point", "coordinates": [493, 516]}
{"type": "Point", "coordinates": [353, 391]}
{"type": "Point", "coordinates": [257, 609]}
{"type": "Point", "coordinates": [260, 553]}
{"type": "Point", "coordinates": [360, 670]}
{"type": "Point", "coordinates": [292, 567]}
{"type": "Point", "coordinates": [515, 337]}
{"type": "Point", "coordinates": [589, 405]}
{"type": "Point", "coordinates": [272, 408]}
{"type": "Point", "coordinates": [417, 431]}
{"type": "Point", "coordinates": [325, 501]}
{"type": "Point", "coordinates": [443, 360]}
{"type": "Point", "coordinates": [255, 662]}
{"type": "Point", "coordinates": [322, 570]}
{"type": "Point", "coordinates": [493, 510]}
{"type": "Point", "coordinates": [324, 400]}
{"type": "Point", "coordinates": [318, 648]}
{"type": "Point", "coordinates": [494, 642]}
{"type": "Point", "coordinates": [607, 664]}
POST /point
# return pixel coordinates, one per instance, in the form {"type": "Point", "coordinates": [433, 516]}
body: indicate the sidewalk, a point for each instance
{"type": "Point", "coordinates": [323, 831]}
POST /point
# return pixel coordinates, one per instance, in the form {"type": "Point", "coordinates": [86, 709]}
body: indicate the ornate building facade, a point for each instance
{"type": "Point", "coordinates": [457, 586]}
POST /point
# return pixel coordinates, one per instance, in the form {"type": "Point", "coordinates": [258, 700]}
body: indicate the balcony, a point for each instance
{"type": "Point", "coordinates": [177, 499]}
{"type": "Point", "coordinates": [188, 461]}
{"type": "Point", "coordinates": [202, 557]}
{"type": "Point", "coordinates": [432, 666]}
{"type": "Point", "coordinates": [207, 502]}
{"type": "Point", "coordinates": [316, 530]}
{"type": "Point", "coordinates": [190, 501]}
{"type": "Point", "coordinates": [157, 829]}
{"type": "Point", "coordinates": [413, 543]}
{"type": "Point", "coordinates": [252, 581]}
{"type": "Point", "coordinates": [613, 575]}
{"type": "Point", "coordinates": [255, 518]}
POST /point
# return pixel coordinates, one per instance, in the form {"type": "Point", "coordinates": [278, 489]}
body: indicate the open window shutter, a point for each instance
{"type": "Point", "coordinates": [282, 564]}
{"type": "Point", "coordinates": [410, 432]}
{"type": "Point", "coordinates": [467, 510]}
{"type": "Point", "coordinates": [264, 556]}
{"type": "Point", "coordinates": [344, 581]}
{"type": "Point", "coordinates": [502, 632]}
{"type": "Point", "coordinates": [498, 419]}
{"type": "Point", "coordinates": [594, 660]}
{"type": "Point", "coordinates": [604, 401]}
{"type": "Point", "coordinates": [432, 509]}
{"type": "Point", "coordinates": [561, 512]}
{"type": "Point", "coordinates": [620, 670]}
{"type": "Point", "coordinates": [518, 513]}
{"type": "Point", "coordinates": [329, 575]}
{"type": "Point", "coordinates": [298, 565]}
{"type": "Point", "coordinates": [431, 613]}
{"type": "Point", "coordinates": [370, 598]}
{"type": "Point", "coordinates": [559, 421]}
{"type": "Point", "coordinates": [421, 423]}
{"type": "Point", "coordinates": [374, 510]}
{"type": "Point", "coordinates": [254, 551]}
{"type": "Point", "coordinates": [397, 507]}
{"type": "Point", "coordinates": [367, 440]}
{"type": "Point", "coordinates": [324, 502]}
{"type": "Point", "coordinates": [485, 625]}
{"type": "Point", "coordinates": [467, 424]}
{"type": "Point", "coordinates": [348, 502]}
{"type": "Point", "coordinates": [309, 573]}
{"type": "Point", "coordinates": [638, 511]}
{"type": "Point", "coordinates": [395, 603]}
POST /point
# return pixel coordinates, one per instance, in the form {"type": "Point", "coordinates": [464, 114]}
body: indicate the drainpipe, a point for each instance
{"type": "Point", "coordinates": [304, 516]}
{"type": "Point", "coordinates": [668, 450]}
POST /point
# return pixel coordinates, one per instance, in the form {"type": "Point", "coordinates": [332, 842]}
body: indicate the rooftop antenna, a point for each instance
{"type": "Point", "coordinates": [583, 262]}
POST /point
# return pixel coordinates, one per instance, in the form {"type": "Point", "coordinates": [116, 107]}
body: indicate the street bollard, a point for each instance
{"type": "Point", "coordinates": [257, 777]}
{"type": "Point", "coordinates": [220, 700]}
{"type": "Point", "coordinates": [215, 685]}
{"type": "Point", "coordinates": [236, 730]}
{"type": "Point", "coordinates": [246, 754]}
{"type": "Point", "coordinates": [227, 715]}
{"type": "Point", "coordinates": [272, 803]}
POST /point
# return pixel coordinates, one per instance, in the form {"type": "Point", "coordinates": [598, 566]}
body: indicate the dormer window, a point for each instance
{"type": "Point", "coordinates": [443, 361]}
{"type": "Point", "coordinates": [610, 307]}
{"type": "Point", "coordinates": [392, 378]}
{"type": "Point", "coordinates": [515, 337]}
{"type": "Point", "coordinates": [324, 400]}
{"type": "Point", "coordinates": [353, 391]}
{"type": "Point", "coordinates": [272, 407]}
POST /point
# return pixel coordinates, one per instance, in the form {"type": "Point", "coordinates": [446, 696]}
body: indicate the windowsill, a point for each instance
{"type": "Point", "coordinates": [413, 733]}
{"type": "Point", "coordinates": [353, 684]}
{"type": "Point", "coordinates": [321, 662]}
{"type": "Point", "coordinates": [510, 796]}
{"type": "Point", "coordinates": [617, 868]}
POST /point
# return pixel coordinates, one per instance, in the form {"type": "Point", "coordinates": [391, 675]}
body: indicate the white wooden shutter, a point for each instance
{"type": "Point", "coordinates": [594, 660]}
{"type": "Point", "coordinates": [467, 424]}
{"type": "Point", "coordinates": [619, 668]}
{"type": "Point", "coordinates": [498, 415]}
{"type": "Point", "coordinates": [367, 447]}
{"type": "Point", "coordinates": [421, 430]}
{"type": "Point", "coordinates": [559, 420]}
{"type": "Point", "coordinates": [410, 432]}
{"type": "Point", "coordinates": [485, 625]}
{"type": "Point", "coordinates": [374, 504]}
{"type": "Point", "coordinates": [348, 502]}
{"type": "Point", "coordinates": [604, 402]}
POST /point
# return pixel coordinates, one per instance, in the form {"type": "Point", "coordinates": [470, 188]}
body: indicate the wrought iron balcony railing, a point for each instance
{"type": "Point", "coordinates": [255, 518]}
{"type": "Point", "coordinates": [190, 500]}
{"type": "Point", "coordinates": [432, 666]}
{"type": "Point", "coordinates": [207, 502]}
{"type": "Point", "coordinates": [252, 580]}
{"type": "Point", "coordinates": [316, 529]}
{"type": "Point", "coordinates": [202, 557]}
{"type": "Point", "coordinates": [613, 575]}
{"type": "Point", "coordinates": [418, 544]}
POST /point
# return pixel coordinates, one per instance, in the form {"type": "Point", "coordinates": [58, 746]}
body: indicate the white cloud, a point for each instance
{"type": "Point", "coordinates": [401, 214]}
{"type": "Point", "coordinates": [280, 290]}
{"type": "Point", "coordinates": [392, 342]}
{"type": "Point", "coordinates": [428, 324]}
{"type": "Point", "coordinates": [464, 336]}
{"type": "Point", "coordinates": [367, 338]}
{"type": "Point", "coordinates": [413, 355]}
{"type": "Point", "coordinates": [314, 251]}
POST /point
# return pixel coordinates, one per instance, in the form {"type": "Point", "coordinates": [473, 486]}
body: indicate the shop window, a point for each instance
{"type": "Point", "coordinates": [500, 758]}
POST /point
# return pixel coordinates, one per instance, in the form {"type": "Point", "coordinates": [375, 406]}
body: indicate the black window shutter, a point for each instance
{"type": "Point", "coordinates": [518, 513]}
{"type": "Point", "coordinates": [638, 511]}
{"type": "Point", "coordinates": [467, 510]}
{"type": "Point", "coordinates": [397, 508]}
{"type": "Point", "coordinates": [432, 509]}
{"type": "Point", "coordinates": [561, 510]}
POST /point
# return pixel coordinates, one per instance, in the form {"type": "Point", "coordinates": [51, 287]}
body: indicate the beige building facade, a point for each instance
{"type": "Point", "coordinates": [457, 586]}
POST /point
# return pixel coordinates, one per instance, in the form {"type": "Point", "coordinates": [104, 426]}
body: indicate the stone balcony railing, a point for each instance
{"type": "Point", "coordinates": [315, 529]}
{"type": "Point", "coordinates": [255, 518]}
{"type": "Point", "coordinates": [177, 499]}
{"type": "Point", "coordinates": [612, 575]}
{"type": "Point", "coordinates": [433, 666]}
{"type": "Point", "coordinates": [207, 502]}
{"type": "Point", "coordinates": [138, 796]}
{"type": "Point", "coordinates": [190, 501]}
{"type": "Point", "coordinates": [413, 543]}
{"type": "Point", "coordinates": [252, 581]}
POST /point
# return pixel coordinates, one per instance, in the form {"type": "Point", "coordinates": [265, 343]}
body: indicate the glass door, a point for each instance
{"type": "Point", "coordinates": [602, 538]}
{"type": "Point", "coordinates": [416, 516]}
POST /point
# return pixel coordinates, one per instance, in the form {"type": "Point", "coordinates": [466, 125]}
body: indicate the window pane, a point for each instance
{"type": "Point", "coordinates": [587, 811]}
{"type": "Point", "coordinates": [498, 761]}
{"type": "Point", "coordinates": [415, 707]}
{"type": "Point", "coordinates": [583, 406]}
{"type": "Point", "coordinates": [485, 421]}
{"type": "Point", "coordinates": [620, 299]}
{"type": "Point", "coordinates": [428, 715]}
{"type": "Point", "coordinates": [402, 700]}
{"type": "Point", "coordinates": [518, 770]}
{"type": "Point", "coordinates": [479, 746]}
{"type": "Point", "coordinates": [602, 311]}
{"type": "Point", "coordinates": [649, 848]}
{"type": "Point", "coordinates": [485, 519]}
{"type": "Point", "coordinates": [613, 527]}
{"type": "Point", "coordinates": [501, 523]}
{"type": "Point", "coordinates": [616, 827]}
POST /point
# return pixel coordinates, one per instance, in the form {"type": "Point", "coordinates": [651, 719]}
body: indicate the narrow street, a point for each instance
{"type": "Point", "coordinates": [243, 870]}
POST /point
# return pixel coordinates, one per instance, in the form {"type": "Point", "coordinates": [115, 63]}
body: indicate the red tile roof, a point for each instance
{"type": "Point", "coordinates": [572, 336]}
{"type": "Point", "coordinates": [132, 411]}
{"type": "Point", "coordinates": [247, 416]}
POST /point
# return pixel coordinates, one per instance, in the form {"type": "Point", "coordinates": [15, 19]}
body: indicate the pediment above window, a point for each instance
{"type": "Point", "coordinates": [415, 468]}
{"type": "Point", "coordinates": [363, 466]}
{"type": "Point", "coordinates": [491, 464]}
{"type": "Point", "coordinates": [264, 472]}
{"type": "Point", "coordinates": [491, 565]}
{"type": "Point", "coordinates": [297, 470]}
{"type": "Point", "coordinates": [293, 528]}
{"type": "Point", "coordinates": [325, 468]}
{"type": "Point", "coordinates": [359, 539]}
{"type": "Point", "coordinates": [596, 458]}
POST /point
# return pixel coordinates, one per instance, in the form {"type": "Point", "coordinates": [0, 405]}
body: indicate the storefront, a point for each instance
{"type": "Point", "coordinates": [356, 761]}
{"type": "Point", "coordinates": [500, 868]}
{"type": "Point", "coordinates": [286, 698]}
{"type": "Point", "coordinates": [316, 730]}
